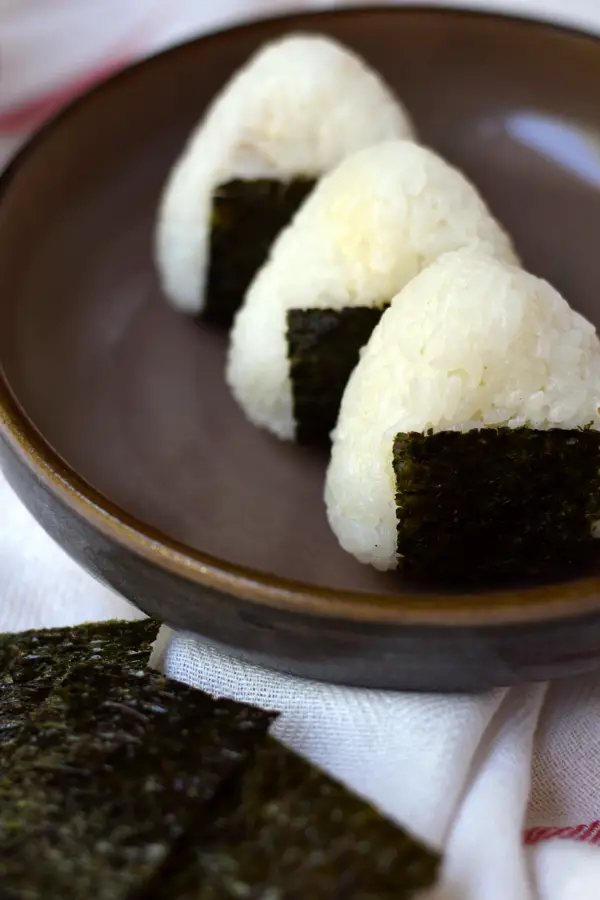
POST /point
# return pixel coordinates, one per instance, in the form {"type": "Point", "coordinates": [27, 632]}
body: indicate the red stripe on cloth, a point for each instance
{"type": "Point", "coordinates": [27, 116]}
{"type": "Point", "coordinates": [30, 115]}
{"type": "Point", "coordinates": [590, 834]}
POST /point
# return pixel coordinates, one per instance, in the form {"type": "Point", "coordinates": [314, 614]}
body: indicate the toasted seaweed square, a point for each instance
{"type": "Point", "coordinates": [129, 786]}
{"type": "Point", "coordinates": [17, 703]}
{"type": "Point", "coordinates": [31, 662]}
{"type": "Point", "coordinates": [323, 348]}
{"type": "Point", "coordinates": [29, 655]}
{"type": "Point", "coordinates": [291, 832]}
{"type": "Point", "coordinates": [246, 218]}
{"type": "Point", "coordinates": [498, 502]}
{"type": "Point", "coordinates": [118, 764]}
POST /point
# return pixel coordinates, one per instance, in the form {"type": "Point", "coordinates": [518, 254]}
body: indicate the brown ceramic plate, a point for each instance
{"type": "Point", "coordinates": [118, 431]}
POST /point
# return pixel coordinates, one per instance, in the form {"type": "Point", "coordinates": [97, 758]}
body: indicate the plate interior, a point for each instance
{"type": "Point", "coordinates": [132, 395]}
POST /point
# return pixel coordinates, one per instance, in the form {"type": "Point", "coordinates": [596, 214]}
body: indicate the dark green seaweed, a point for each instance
{"type": "Point", "coordinates": [32, 661]}
{"type": "Point", "coordinates": [323, 349]}
{"type": "Point", "coordinates": [117, 765]}
{"type": "Point", "coordinates": [496, 502]}
{"type": "Point", "coordinates": [125, 785]}
{"type": "Point", "coordinates": [246, 218]}
{"type": "Point", "coordinates": [289, 831]}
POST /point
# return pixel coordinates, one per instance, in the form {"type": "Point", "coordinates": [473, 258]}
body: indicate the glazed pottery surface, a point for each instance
{"type": "Point", "coordinates": [119, 432]}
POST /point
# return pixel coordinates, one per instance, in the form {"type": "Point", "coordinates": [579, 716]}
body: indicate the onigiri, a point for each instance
{"type": "Point", "coordinates": [291, 113]}
{"type": "Point", "coordinates": [467, 441]}
{"type": "Point", "coordinates": [368, 228]}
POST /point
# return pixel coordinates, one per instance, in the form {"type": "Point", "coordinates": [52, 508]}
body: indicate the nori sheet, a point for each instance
{"type": "Point", "coordinates": [246, 218]}
{"type": "Point", "coordinates": [31, 661]}
{"type": "Point", "coordinates": [291, 832]}
{"type": "Point", "coordinates": [125, 785]}
{"type": "Point", "coordinates": [323, 348]}
{"type": "Point", "coordinates": [498, 502]}
{"type": "Point", "coordinates": [117, 765]}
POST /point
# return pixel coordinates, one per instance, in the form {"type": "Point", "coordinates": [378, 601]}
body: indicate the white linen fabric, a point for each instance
{"type": "Point", "coordinates": [507, 784]}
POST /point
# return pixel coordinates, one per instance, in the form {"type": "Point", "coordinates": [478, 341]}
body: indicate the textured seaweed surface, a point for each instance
{"type": "Point", "coordinates": [125, 785]}
{"type": "Point", "coordinates": [323, 349]}
{"type": "Point", "coordinates": [290, 832]}
{"type": "Point", "coordinates": [247, 216]}
{"type": "Point", "coordinates": [496, 501]}
{"type": "Point", "coordinates": [30, 662]}
{"type": "Point", "coordinates": [117, 765]}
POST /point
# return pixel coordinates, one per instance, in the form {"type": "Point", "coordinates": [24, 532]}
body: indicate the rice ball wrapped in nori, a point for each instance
{"type": "Point", "coordinates": [291, 113]}
{"type": "Point", "coordinates": [462, 446]}
{"type": "Point", "coordinates": [368, 228]}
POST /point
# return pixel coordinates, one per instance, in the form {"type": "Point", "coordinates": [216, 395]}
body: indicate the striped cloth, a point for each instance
{"type": "Point", "coordinates": [590, 834]}
{"type": "Point", "coordinates": [52, 50]}
{"type": "Point", "coordinates": [506, 784]}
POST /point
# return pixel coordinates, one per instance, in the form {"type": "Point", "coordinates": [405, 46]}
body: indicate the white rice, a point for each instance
{"type": "Point", "coordinates": [298, 107]}
{"type": "Point", "coordinates": [366, 230]}
{"type": "Point", "coordinates": [470, 342]}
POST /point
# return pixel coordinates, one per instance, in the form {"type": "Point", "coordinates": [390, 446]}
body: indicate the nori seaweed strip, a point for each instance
{"type": "Point", "coordinates": [291, 832]}
{"type": "Point", "coordinates": [131, 785]}
{"type": "Point", "coordinates": [246, 218]}
{"type": "Point", "coordinates": [17, 703]}
{"type": "Point", "coordinates": [496, 501]}
{"type": "Point", "coordinates": [118, 764]}
{"type": "Point", "coordinates": [32, 661]}
{"type": "Point", "coordinates": [323, 349]}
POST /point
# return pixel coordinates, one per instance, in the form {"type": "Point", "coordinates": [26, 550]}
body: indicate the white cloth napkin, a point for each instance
{"type": "Point", "coordinates": [507, 784]}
